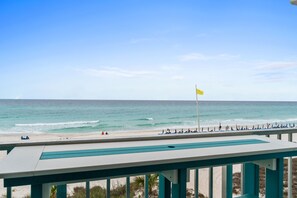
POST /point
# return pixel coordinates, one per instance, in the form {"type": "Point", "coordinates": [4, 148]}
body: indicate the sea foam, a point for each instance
{"type": "Point", "coordinates": [58, 123]}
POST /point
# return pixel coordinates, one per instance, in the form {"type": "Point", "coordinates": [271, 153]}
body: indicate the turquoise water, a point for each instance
{"type": "Point", "coordinates": [144, 149]}
{"type": "Point", "coordinates": [80, 116]}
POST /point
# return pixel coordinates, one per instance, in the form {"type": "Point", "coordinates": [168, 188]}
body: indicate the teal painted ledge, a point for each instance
{"type": "Point", "coordinates": [144, 149]}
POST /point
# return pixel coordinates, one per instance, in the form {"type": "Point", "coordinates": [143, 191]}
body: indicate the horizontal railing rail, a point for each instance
{"type": "Point", "coordinates": [267, 132]}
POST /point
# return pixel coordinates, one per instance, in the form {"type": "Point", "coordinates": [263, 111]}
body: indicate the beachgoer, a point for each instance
{"type": "Point", "coordinates": [25, 137]}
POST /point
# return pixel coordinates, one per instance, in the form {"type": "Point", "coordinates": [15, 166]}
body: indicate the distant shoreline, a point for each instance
{"type": "Point", "coordinates": [40, 136]}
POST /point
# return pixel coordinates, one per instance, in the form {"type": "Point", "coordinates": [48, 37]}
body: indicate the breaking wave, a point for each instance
{"type": "Point", "coordinates": [58, 123]}
{"type": "Point", "coordinates": [145, 119]}
{"type": "Point", "coordinates": [53, 126]}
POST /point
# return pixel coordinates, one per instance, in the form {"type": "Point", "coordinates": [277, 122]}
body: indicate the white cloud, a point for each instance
{"type": "Point", "coordinates": [269, 76]}
{"type": "Point", "coordinates": [274, 65]}
{"type": "Point", "coordinates": [118, 72]}
{"type": "Point", "coordinates": [171, 67]}
{"type": "Point", "coordinates": [18, 97]}
{"type": "Point", "coordinates": [177, 77]}
{"type": "Point", "coordinates": [274, 71]}
{"type": "Point", "coordinates": [203, 57]}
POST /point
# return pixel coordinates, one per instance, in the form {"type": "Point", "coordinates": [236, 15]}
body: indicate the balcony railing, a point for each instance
{"type": "Point", "coordinates": [227, 172]}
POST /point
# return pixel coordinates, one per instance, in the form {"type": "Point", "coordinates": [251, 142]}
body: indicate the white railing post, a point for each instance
{"type": "Point", "coordinates": [227, 181]}
{"type": "Point", "coordinates": [290, 171]}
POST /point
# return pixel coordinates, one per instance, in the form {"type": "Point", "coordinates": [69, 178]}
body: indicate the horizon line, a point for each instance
{"type": "Point", "coordinates": [157, 100]}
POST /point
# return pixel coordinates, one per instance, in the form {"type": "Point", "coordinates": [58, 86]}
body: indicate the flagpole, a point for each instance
{"type": "Point", "coordinates": [197, 109]}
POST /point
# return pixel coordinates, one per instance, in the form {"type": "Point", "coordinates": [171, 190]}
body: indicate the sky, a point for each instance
{"type": "Point", "coordinates": [148, 49]}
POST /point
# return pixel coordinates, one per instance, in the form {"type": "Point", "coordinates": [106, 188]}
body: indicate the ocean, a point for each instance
{"type": "Point", "coordinates": [82, 116]}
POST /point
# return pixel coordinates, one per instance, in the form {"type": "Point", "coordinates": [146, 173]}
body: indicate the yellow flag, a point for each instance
{"type": "Point", "coordinates": [199, 92]}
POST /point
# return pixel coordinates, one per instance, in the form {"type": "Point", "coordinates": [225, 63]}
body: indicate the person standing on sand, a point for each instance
{"type": "Point", "coordinates": [220, 126]}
